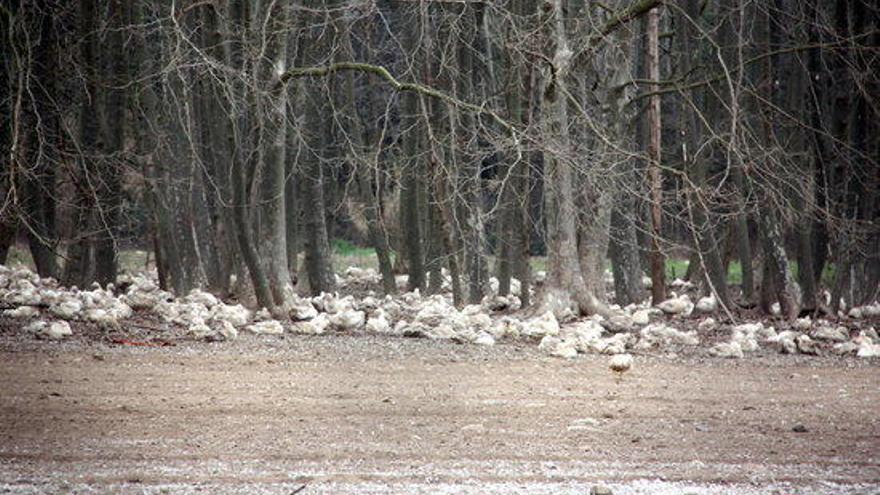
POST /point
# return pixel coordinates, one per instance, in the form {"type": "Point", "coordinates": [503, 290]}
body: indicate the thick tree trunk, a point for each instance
{"type": "Point", "coordinates": [565, 291]}
{"type": "Point", "coordinates": [318, 261]}
{"type": "Point", "coordinates": [410, 226]}
{"type": "Point", "coordinates": [370, 194]}
{"type": "Point", "coordinates": [625, 262]}
{"type": "Point", "coordinates": [8, 231]}
{"type": "Point", "coordinates": [217, 235]}
{"type": "Point", "coordinates": [114, 134]}
{"type": "Point", "coordinates": [271, 122]}
{"type": "Point", "coordinates": [593, 238]}
{"type": "Point", "coordinates": [777, 268]}
{"type": "Point", "coordinates": [79, 267]}
{"type": "Point", "coordinates": [35, 156]}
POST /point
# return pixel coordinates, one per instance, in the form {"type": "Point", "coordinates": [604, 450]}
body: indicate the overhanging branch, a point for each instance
{"type": "Point", "coordinates": [617, 20]}
{"type": "Point", "coordinates": [382, 72]}
{"type": "Point", "coordinates": [633, 11]}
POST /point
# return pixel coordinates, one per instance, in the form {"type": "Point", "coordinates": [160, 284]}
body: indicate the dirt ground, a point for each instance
{"type": "Point", "coordinates": [356, 414]}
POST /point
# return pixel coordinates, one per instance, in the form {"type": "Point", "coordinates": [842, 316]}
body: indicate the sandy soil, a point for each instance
{"type": "Point", "coordinates": [346, 414]}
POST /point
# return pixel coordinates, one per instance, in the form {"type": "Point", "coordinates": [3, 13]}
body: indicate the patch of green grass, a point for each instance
{"type": "Point", "coordinates": [828, 275]}
{"type": "Point", "coordinates": [130, 260]}
{"type": "Point", "coordinates": [19, 256]}
{"type": "Point", "coordinates": [346, 254]}
{"type": "Point", "coordinates": [676, 268]}
{"type": "Point", "coordinates": [734, 273]}
{"type": "Point", "coordinates": [135, 260]}
{"type": "Point", "coordinates": [538, 263]}
{"type": "Point", "coordinates": [342, 247]}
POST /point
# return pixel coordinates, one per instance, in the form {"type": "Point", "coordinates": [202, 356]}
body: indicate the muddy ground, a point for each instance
{"type": "Point", "coordinates": [358, 414]}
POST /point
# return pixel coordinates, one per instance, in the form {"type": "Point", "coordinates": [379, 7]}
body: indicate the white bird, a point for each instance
{"type": "Point", "coordinates": [620, 364]}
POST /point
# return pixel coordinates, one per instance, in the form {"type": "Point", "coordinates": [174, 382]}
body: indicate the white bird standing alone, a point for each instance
{"type": "Point", "coordinates": [620, 364]}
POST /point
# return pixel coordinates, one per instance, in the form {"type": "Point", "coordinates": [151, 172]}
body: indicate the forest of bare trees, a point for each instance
{"type": "Point", "coordinates": [236, 139]}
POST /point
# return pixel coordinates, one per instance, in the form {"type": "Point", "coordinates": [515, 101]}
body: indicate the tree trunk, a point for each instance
{"type": "Point", "coordinates": [318, 261]}
{"type": "Point", "coordinates": [593, 237]}
{"type": "Point", "coordinates": [777, 268]}
{"type": "Point", "coordinates": [37, 144]}
{"type": "Point", "coordinates": [658, 261]}
{"type": "Point", "coordinates": [410, 226]}
{"type": "Point", "coordinates": [216, 146]}
{"type": "Point", "coordinates": [366, 168]}
{"type": "Point", "coordinates": [565, 291]}
{"type": "Point", "coordinates": [240, 122]}
{"type": "Point", "coordinates": [705, 244]}
{"type": "Point", "coordinates": [271, 122]}
{"type": "Point", "coordinates": [523, 186]}
{"type": "Point", "coordinates": [8, 231]}
{"type": "Point", "coordinates": [787, 290]}
{"type": "Point", "coordinates": [79, 268]}
{"type": "Point", "coordinates": [114, 134]}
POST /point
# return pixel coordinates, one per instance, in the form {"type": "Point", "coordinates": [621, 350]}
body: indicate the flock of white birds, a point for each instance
{"type": "Point", "coordinates": [46, 310]}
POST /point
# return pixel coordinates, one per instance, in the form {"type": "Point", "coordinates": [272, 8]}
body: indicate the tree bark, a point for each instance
{"type": "Point", "coordinates": [271, 122]}
{"type": "Point", "coordinates": [705, 243]}
{"type": "Point", "coordinates": [79, 267]}
{"type": "Point", "coordinates": [777, 268]}
{"type": "Point", "coordinates": [565, 290]}
{"type": "Point", "coordinates": [658, 261]}
{"type": "Point", "coordinates": [410, 226]}
{"type": "Point", "coordinates": [114, 134]}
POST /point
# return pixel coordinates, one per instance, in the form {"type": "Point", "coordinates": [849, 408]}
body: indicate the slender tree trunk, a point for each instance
{"type": "Point", "coordinates": [786, 290]}
{"type": "Point", "coordinates": [804, 230]}
{"type": "Point", "coordinates": [706, 246]}
{"type": "Point", "coordinates": [78, 269]}
{"type": "Point", "coordinates": [370, 192]}
{"type": "Point", "coordinates": [240, 122]}
{"type": "Point", "coordinates": [443, 170]}
{"type": "Point", "coordinates": [658, 262]}
{"type": "Point", "coordinates": [367, 170]}
{"type": "Point", "coordinates": [442, 199]}
{"type": "Point", "coordinates": [818, 87]}
{"type": "Point", "coordinates": [114, 130]}
{"type": "Point", "coordinates": [410, 226]}
{"type": "Point", "coordinates": [523, 186]}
